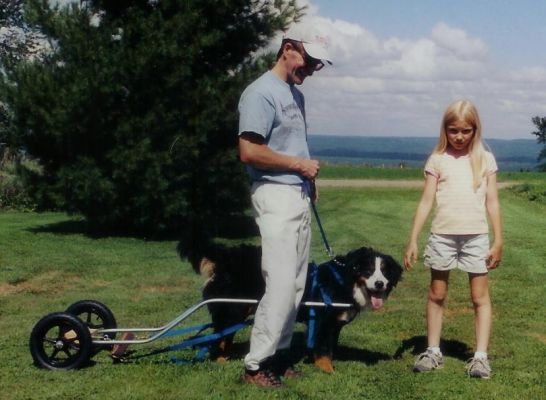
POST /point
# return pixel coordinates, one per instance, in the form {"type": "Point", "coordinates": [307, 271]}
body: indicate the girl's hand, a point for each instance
{"type": "Point", "coordinates": [411, 255]}
{"type": "Point", "coordinates": [494, 257]}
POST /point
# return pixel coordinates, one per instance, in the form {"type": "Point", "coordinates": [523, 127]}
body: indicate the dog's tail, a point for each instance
{"type": "Point", "coordinates": [202, 264]}
{"type": "Point", "coordinates": [206, 267]}
{"type": "Point", "coordinates": [199, 250]}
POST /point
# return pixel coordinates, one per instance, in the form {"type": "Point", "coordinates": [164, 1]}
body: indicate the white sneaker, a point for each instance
{"type": "Point", "coordinates": [478, 368]}
{"type": "Point", "coordinates": [428, 361]}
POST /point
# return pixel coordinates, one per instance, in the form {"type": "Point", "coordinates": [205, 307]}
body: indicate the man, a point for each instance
{"type": "Point", "coordinates": [273, 145]}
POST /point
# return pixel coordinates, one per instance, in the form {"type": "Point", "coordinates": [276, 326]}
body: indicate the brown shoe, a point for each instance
{"type": "Point", "coordinates": [262, 378]}
{"type": "Point", "coordinates": [283, 365]}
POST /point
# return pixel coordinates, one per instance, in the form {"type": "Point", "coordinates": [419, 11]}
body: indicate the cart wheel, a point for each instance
{"type": "Point", "coordinates": [96, 316]}
{"type": "Point", "coordinates": [60, 341]}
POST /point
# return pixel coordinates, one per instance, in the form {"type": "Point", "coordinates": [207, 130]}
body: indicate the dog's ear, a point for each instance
{"type": "Point", "coordinates": [394, 270]}
{"type": "Point", "coordinates": [359, 256]}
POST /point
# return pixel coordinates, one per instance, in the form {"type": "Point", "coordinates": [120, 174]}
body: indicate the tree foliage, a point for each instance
{"type": "Point", "coordinates": [133, 115]}
{"type": "Point", "coordinates": [18, 39]}
{"type": "Point", "coordinates": [540, 123]}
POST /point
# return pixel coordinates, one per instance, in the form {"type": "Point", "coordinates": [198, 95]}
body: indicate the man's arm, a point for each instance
{"type": "Point", "coordinates": [254, 151]}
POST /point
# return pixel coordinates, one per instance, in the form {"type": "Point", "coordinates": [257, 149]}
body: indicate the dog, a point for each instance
{"type": "Point", "coordinates": [363, 278]}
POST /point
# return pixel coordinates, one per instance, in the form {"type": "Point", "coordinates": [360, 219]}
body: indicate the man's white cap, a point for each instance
{"type": "Point", "coordinates": [315, 45]}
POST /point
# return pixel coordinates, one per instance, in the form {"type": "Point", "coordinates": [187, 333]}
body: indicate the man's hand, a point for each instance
{"type": "Point", "coordinates": [307, 168]}
{"type": "Point", "coordinates": [254, 151]}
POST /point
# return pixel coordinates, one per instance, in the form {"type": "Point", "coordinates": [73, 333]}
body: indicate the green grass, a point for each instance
{"type": "Point", "coordinates": [47, 263]}
{"type": "Point", "coordinates": [340, 171]}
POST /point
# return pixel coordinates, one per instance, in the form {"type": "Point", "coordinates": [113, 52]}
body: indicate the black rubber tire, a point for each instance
{"type": "Point", "coordinates": [96, 316]}
{"type": "Point", "coordinates": [60, 341]}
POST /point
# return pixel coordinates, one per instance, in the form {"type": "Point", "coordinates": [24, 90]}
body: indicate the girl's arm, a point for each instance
{"type": "Point", "coordinates": [493, 210]}
{"type": "Point", "coordinates": [421, 215]}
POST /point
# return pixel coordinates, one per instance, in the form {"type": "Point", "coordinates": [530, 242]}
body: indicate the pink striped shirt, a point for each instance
{"type": "Point", "coordinates": [459, 209]}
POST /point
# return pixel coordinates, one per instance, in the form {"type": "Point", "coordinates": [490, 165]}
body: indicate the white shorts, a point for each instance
{"type": "Point", "coordinates": [466, 252]}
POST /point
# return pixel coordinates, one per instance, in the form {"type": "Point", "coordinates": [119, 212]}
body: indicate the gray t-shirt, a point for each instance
{"type": "Point", "coordinates": [275, 110]}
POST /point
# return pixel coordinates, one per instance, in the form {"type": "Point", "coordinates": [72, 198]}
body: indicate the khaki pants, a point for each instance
{"type": "Point", "coordinates": [284, 219]}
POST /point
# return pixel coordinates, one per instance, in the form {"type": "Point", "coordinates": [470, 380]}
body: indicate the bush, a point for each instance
{"type": "Point", "coordinates": [133, 116]}
{"type": "Point", "coordinates": [13, 194]}
{"type": "Point", "coordinates": [531, 192]}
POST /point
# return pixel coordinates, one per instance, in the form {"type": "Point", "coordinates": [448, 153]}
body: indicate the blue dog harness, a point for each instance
{"type": "Point", "coordinates": [319, 292]}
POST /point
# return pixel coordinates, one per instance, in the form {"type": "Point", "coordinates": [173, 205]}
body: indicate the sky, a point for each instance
{"type": "Point", "coordinates": [398, 64]}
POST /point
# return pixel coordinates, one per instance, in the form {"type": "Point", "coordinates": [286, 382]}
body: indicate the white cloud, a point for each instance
{"type": "Point", "coordinates": [457, 41]}
{"type": "Point", "coordinates": [400, 87]}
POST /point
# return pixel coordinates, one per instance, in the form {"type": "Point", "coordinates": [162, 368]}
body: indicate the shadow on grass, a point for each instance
{"type": "Point", "coordinates": [237, 352]}
{"type": "Point", "coordinates": [450, 348]}
{"type": "Point", "coordinates": [71, 227]}
{"type": "Point", "coordinates": [344, 353]}
{"type": "Point", "coordinates": [231, 227]}
{"type": "Point", "coordinates": [82, 227]}
{"type": "Point", "coordinates": [341, 353]}
{"type": "Point", "coordinates": [300, 353]}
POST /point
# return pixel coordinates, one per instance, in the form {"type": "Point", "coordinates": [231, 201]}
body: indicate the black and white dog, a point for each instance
{"type": "Point", "coordinates": [363, 278]}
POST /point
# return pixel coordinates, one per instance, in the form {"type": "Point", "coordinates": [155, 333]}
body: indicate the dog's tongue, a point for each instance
{"type": "Point", "coordinates": [377, 302]}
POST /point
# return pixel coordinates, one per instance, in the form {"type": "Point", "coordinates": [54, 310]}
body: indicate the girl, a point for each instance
{"type": "Point", "coordinates": [461, 175]}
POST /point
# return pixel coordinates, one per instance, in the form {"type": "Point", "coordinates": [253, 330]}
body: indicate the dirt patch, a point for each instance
{"type": "Point", "coordinates": [540, 336]}
{"type": "Point", "coordinates": [455, 312]}
{"type": "Point", "coordinates": [368, 183]}
{"type": "Point", "coordinates": [383, 183]}
{"type": "Point", "coordinates": [50, 282]}
{"type": "Point", "coordinates": [176, 286]}
{"type": "Point", "coordinates": [159, 289]}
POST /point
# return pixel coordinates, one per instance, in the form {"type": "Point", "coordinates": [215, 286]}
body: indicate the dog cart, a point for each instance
{"type": "Point", "coordinates": [68, 340]}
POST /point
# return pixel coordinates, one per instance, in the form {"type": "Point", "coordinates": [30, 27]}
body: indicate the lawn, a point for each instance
{"type": "Point", "coordinates": [47, 262]}
{"type": "Point", "coordinates": [355, 171]}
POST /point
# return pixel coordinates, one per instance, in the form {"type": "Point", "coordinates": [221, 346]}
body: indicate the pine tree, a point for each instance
{"type": "Point", "coordinates": [540, 123]}
{"type": "Point", "coordinates": [133, 115]}
{"type": "Point", "coordinates": [18, 40]}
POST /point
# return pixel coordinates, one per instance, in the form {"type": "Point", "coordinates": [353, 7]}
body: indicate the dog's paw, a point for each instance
{"type": "Point", "coordinates": [324, 363]}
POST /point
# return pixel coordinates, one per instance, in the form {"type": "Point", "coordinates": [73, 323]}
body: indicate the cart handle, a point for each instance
{"type": "Point", "coordinates": [164, 329]}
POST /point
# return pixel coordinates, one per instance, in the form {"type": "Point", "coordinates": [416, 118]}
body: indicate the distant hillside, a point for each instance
{"type": "Point", "coordinates": [511, 155]}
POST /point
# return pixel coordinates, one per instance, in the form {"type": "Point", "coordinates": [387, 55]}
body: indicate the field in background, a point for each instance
{"type": "Point", "coordinates": [511, 155]}
{"type": "Point", "coordinates": [48, 262]}
{"type": "Point", "coordinates": [355, 171]}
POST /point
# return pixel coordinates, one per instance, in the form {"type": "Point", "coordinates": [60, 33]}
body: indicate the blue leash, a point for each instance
{"type": "Point", "coordinates": [310, 189]}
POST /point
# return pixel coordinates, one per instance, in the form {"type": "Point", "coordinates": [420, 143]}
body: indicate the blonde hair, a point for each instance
{"type": "Point", "coordinates": [464, 110]}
